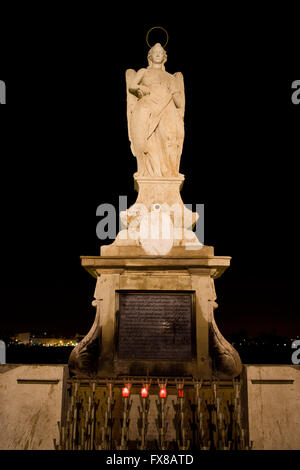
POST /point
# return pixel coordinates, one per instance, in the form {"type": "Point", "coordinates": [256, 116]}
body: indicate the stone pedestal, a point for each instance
{"type": "Point", "coordinates": [157, 223]}
{"type": "Point", "coordinates": [156, 254]}
{"type": "Point", "coordinates": [191, 272]}
{"type": "Point", "coordinates": [272, 399]}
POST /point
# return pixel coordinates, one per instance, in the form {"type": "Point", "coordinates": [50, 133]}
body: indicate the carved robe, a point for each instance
{"type": "Point", "coordinates": [155, 120]}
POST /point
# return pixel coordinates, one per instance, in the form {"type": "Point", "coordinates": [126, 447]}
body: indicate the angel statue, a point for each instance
{"type": "Point", "coordinates": [155, 112]}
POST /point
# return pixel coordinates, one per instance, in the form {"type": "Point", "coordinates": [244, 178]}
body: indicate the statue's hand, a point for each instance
{"type": "Point", "coordinates": [145, 90]}
{"type": "Point", "coordinates": [139, 92]}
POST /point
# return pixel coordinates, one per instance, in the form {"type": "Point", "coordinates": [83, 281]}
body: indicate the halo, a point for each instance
{"type": "Point", "coordinates": [157, 27]}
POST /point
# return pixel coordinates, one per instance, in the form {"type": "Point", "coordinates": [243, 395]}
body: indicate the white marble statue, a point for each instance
{"type": "Point", "coordinates": [155, 112]}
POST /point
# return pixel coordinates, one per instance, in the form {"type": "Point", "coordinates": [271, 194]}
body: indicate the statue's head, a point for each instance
{"type": "Point", "coordinates": [157, 55]}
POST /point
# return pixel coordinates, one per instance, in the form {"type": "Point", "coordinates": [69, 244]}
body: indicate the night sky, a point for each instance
{"type": "Point", "coordinates": [65, 150]}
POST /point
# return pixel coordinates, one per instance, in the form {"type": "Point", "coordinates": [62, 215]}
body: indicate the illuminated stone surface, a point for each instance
{"type": "Point", "coordinates": [158, 221]}
{"type": "Point", "coordinates": [31, 402]}
{"type": "Point", "coordinates": [274, 406]}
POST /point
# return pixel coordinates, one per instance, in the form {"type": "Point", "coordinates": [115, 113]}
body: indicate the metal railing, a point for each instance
{"type": "Point", "coordinates": [183, 414]}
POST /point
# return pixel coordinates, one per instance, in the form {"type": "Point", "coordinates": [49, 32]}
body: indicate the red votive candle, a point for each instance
{"type": "Point", "coordinates": [125, 392]}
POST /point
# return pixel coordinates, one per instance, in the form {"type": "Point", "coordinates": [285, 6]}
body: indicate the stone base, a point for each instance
{"type": "Point", "coordinates": [158, 222]}
{"type": "Point", "coordinates": [135, 251]}
{"type": "Point", "coordinates": [31, 403]}
{"type": "Point", "coordinates": [33, 400]}
{"type": "Point", "coordinates": [272, 394]}
{"type": "Point", "coordinates": [192, 272]}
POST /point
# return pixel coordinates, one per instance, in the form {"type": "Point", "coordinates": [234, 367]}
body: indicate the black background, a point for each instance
{"type": "Point", "coordinates": [65, 150]}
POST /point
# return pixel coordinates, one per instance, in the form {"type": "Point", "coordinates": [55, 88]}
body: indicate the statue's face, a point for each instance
{"type": "Point", "coordinates": [157, 54]}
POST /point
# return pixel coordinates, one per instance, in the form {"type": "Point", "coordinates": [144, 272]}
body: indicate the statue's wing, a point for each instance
{"type": "Point", "coordinates": [180, 86]}
{"type": "Point", "coordinates": [131, 101]}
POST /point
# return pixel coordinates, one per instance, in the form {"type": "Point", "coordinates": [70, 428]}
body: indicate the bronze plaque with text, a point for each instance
{"type": "Point", "coordinates": [155, 326]}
